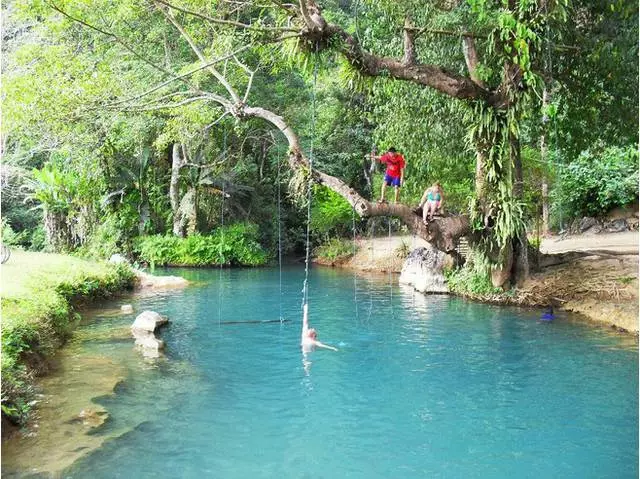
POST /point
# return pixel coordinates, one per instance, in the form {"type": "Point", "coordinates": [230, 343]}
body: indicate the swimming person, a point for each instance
{"type": "Point", "coordinates": [431, 202]}
{"type": "Point", "coordinates": [548, 314]}
{"type": "Point", "coordinates": [309, 335]}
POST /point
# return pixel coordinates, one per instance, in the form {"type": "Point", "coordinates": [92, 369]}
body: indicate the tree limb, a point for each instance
{"type": "Point", "coordinates": [115, 38]}
{"type": "Point", "coordinates": [221, 21]}
{"type": "Point", "coordinates": [223, 81]}
{"type": "Point", "coordinates": [180, 77]}
{"type": "Point", "coordinates": [433, 76]}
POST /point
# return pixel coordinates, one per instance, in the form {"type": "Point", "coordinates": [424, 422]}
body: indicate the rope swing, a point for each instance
{"type": "Point", "coordinates": [305, 287]}
{"type": "Point", "coordinates": [280, 236]}
{"type": "Point", "coordinates": [224, 162]}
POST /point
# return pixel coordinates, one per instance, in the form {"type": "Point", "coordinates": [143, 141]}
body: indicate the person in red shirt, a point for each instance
{"type": "Point", "coordinates": [395, 172]}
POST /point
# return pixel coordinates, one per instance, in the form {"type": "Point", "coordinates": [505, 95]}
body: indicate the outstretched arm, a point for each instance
{"type": "Point", "coordinates": [318, 344]}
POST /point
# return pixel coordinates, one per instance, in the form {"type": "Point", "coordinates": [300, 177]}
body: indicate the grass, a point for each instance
{"type": "Point", "coordinates": [39, 293]}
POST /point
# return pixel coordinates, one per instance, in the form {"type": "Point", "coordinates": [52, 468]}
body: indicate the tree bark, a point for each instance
{"type": "Point", "coordinates": [434, 76]}
{"type": "Point", "coordinates": [544, 150]}
{"type": "Point", "coordinates": [409, 43]}
{"type": "Point", "coordinates": [471, 59]}
{"type": "Point", "coordinates": [174, 188]}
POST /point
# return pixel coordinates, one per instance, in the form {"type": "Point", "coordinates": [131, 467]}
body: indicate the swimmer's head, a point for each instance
{"type": "Point", "coordinates": [312, 333]}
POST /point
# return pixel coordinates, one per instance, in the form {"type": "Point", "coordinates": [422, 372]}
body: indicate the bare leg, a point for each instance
{"type": "Point", "coordinates": [430, 210]}
{"type": "Point", "coordinates": [397, 194]}
{"type": "Point", "coordinates": [384, 185]}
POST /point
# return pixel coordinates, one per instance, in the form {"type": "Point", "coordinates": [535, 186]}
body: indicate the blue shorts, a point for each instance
{"type": "Point", "coordinates": [392, 180]}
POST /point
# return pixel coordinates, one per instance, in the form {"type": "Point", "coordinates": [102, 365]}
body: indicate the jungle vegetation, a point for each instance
{"type": "Point", "coordinates": [129, 124]}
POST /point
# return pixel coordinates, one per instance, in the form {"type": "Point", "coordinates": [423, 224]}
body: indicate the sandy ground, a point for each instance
{"type": "Point", "coordinates": [602, 289]}
{"type": "Point", "coordinates": [622, 242]}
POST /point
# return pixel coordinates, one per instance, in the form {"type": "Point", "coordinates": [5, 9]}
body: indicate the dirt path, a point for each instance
{"type": "Point", "coordinates": [621, 242]}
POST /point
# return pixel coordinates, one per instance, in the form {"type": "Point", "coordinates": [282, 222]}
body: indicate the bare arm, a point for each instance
{"type": "Point", "coordinates": [318, 344]}
{"type": "Point", "coordinates": [423, 200]}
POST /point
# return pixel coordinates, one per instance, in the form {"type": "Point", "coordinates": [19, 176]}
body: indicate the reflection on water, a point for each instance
{"type": "Point", "coordinates": [421, 386]}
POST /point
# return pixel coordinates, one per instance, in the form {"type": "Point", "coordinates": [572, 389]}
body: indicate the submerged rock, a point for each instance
{"type": "Point", "coordinates": [148, 281]}
{"type": "Point", "coordinates": [126, 308]}
{"type": "Point", "coordinates": [423, 269]}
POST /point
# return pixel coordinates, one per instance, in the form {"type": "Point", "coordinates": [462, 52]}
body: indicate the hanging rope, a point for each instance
{"type": "Point", "coordinates": [224, 163]}
{"type": "Point", "coordinates": [371, 237]}
{"type": "Point", "coordinates": [280, 237]}
{"type": "Point", "coordinates": [355, 277]}
{"type": "Point", "coordinates": [390, 268]}
{"type": "Point", "coordinates": [305, 287]}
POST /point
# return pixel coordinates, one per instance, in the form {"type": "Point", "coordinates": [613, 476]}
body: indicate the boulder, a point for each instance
{"type": "Point", "coordinates": [143, 330]}
{"type": "Point", "coordinates": [588, 223]}
{"type": "Point", "coordinates": [423, 269]}
{"type": "Point", "coordinates": [617, 226]}
{"type": "Point", "coordinates": [149, 321]}
{"type": "Point", "coordinates": [148, 341]}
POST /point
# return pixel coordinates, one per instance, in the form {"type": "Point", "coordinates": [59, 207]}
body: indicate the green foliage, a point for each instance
{"type": "Point", "coordinates": [473, 279]}
{"type": "Point", "coordinates": [37, 322]}
{"type": "Point", "coordinates": [108, 239]}
{"type": "Point", "coordinates": [234, 245]}
{"type": "Point", "coordinates": [335, 250]}
{"type": "Point", "coordinates": [10, 237]}
{"type": "Point", "coordinates": [330, 213]}
{"type": "Point", "coordinates": [600, 179]}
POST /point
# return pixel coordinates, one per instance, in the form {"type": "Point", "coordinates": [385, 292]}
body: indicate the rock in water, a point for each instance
{"type": "Point", "coordinates": [126, 308]}
{"type": "Point", "coordinates": [149, 321]}
{"type": "Point", "coordinates": [143, 329]}
{"type": "Point", "coordinates": [423, 269]}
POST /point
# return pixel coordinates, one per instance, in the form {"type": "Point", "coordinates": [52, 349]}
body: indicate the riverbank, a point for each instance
{"type": "Point", "coordinates": [603, 289]}
{"type": "Point", "coordinates": [41, 294]}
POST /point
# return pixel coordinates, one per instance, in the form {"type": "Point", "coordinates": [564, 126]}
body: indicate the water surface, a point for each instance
{"type": "Point", "coordinates": [422, 386]}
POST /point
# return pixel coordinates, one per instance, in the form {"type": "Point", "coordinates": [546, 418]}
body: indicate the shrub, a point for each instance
{"type": "Point", "coordinates": [106, 240]}
{"type": "Point", "coordinates": [330, 214]}
{"type": "Point", "coordinates": [37, 323]}
{"type": "Point", "coordinates": [473, 279]}
{"type": "Point", "coordinates": [597, 181]}
{"type": "Point", "coordinates": [334, 249]}
{"type": "Point", "coordinates": [235, 245]}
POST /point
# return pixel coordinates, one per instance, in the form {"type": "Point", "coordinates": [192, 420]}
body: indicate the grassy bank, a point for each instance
{"type": "Point", "coordinates": [40, 293]}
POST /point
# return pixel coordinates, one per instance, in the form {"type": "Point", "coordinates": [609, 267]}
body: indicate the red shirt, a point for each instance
{"type": "Point", "coordinates": [395, 163]}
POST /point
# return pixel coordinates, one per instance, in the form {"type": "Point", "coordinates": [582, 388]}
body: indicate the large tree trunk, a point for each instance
{"type": "Point", "coordinates": [544, 150]}
{"type": "Point", "coordinates": [190, 210]}
{"type": "Point", "coordinates": [520, 271]}
{"type": "Point", "coordinates": [174, 188]}
{"type": "Point", "coordinates": [56, 229]}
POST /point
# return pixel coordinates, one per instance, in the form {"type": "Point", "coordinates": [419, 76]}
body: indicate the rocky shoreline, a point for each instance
{"type": "Point", "coordinates": [601, 289]}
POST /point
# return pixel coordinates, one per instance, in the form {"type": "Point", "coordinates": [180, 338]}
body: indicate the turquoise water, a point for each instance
{"type": "Point", "coordinates": [421, 387]}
